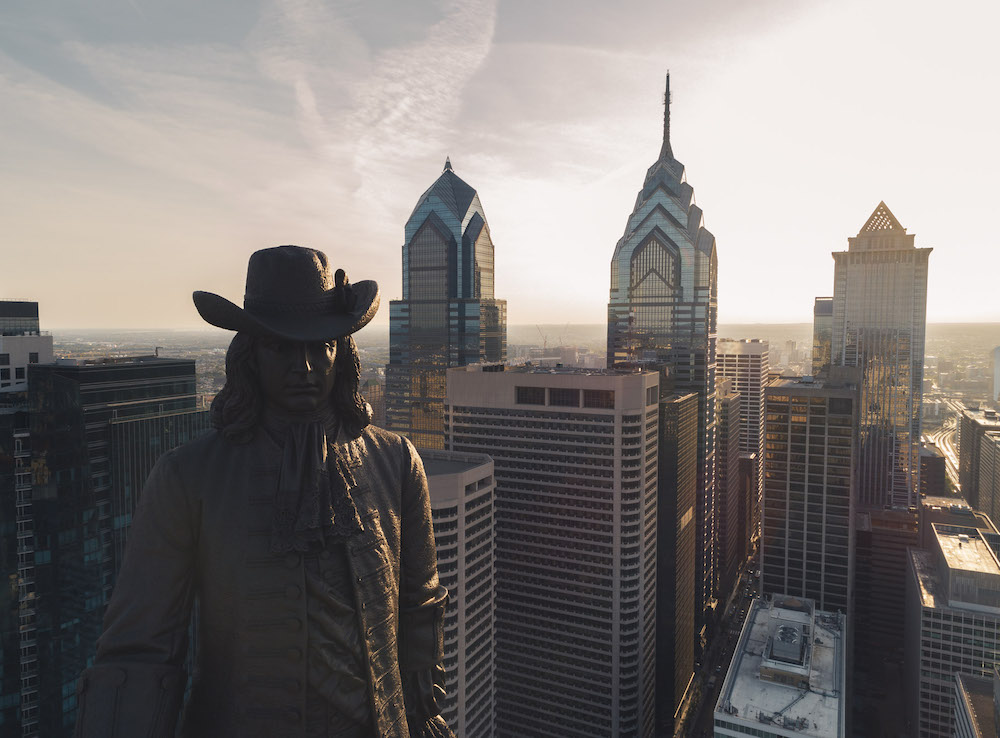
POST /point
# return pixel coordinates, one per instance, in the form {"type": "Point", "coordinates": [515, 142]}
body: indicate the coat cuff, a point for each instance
{"type": "Point", "coordinates": [129, 699]}
{"type": "Point", "coordinates": [421, 633]}
{"type": "Point", "coordinates": [423, 696]}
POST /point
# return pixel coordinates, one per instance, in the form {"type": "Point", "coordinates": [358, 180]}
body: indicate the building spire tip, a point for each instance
{"type": "Point", "coordinates": [665, 151]}
{"type": "Point", "coordinates": [447, 164]}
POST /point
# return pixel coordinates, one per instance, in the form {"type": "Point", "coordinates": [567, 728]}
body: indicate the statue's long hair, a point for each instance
{"type": "Point", "coordinates": [236, 410]}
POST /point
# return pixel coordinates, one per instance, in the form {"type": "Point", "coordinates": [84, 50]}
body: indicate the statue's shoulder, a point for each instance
{"type": "Point", "coordinates": [380, 438]}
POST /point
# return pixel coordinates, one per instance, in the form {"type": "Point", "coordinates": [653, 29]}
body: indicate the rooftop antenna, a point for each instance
{"type": "Point", "coordinates": [665, 151]}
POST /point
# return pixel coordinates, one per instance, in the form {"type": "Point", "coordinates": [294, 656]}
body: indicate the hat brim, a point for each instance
{"type": "Point", "coordinates": [222, 313]}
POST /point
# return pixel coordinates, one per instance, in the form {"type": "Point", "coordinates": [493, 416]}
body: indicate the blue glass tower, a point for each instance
{"type": "Point", "coordinates": [448, 316]}
{"type": "Point", "coordinates": [663, 310]}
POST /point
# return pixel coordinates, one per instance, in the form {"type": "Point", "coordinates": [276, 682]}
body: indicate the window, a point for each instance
{"type": "Point", "coordinates": [19, 373]}
{"type": "Point", "coordinates": [562, 397]}
{"type": "Point", "coordinates": [600, 398]}
{"type": "Point", "coordinates": [4, 374]}
{"type": "Point", "coordinates": [33, 357]}
{"type": "Point", "coordinates": [529, 395]}
{"type": "Point", "coordinates": [4, 359]}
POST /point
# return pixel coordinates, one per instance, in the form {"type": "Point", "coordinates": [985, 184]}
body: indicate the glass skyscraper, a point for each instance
{"type": "Point", "coordinates": [662, 313]}
{"type": "Point", "coordinates": [879, 322]}
{"type": "Point", "coordinates": [448, 316]}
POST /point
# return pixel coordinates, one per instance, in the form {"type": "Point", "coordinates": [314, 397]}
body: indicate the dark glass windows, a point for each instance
{"type": "Point", "coordinates": [529, 395]}
{"type": "Point", "coordinates": [599, 399]}
{"type": "Point", "coordinates": [562, 397]}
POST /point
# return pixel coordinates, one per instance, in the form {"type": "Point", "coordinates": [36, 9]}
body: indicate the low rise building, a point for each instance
{"type": "Point", "coordinates": [788, 675]}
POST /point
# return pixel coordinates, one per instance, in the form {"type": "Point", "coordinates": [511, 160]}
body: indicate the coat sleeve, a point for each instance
{"type": "Point", "coordinates": [136, 684]}
{"type": "Point", "coordinates": [422, 602]}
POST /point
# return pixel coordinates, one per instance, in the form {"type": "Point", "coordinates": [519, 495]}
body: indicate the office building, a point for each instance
{"type": "Point", "coordinates": [747, 363]}
{"type": "Point", "coordinates": [448, 315]}
{"type": "Point", "coordinates": [675, 542]}
{"type": "Point", "coordinates": [822, 335]}
{"type": "Point", "coordinates": [974, 426]}
{"type": "Point", "coordinates": [952, 623]}
{"type": "Point", "coordinates": [879, 317]}
{"type": "Point", "coordinates": [995, 391]}
{"type": "Point", "coordinates": [662, 311]}
{"type": "Point", "coordinates": [730, 543]}
{"type": "Point", "coordinates": [977, 705]}
{"type": "Point", "coordinates": [933, 471]}
{"type": "Point", "coordinates": [462, 502]}
{"type": "Point", "coordinates": [987, 480]}
{"type": "Point", "coordinates": [788, 675]}
{"type": "Point", "coordinates": [94, 430]}
{"type": "Point", "coordinates": [21, 343]}
{"type": "Point", "coordinates": [948, 511]}
{"type": "Point", "coordinates": [575, 461]}
{"type": "Point", "coordinates": [809, 486]}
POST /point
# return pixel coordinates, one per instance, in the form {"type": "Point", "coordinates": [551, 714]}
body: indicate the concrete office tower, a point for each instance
{"type": "Point", "coordinates": [447, 316]}
{"type": "Point", "coordinates": [675, 542]}
{"type": "Point", "coordinates": [974, 425]}
{"type": "Point", "coordinates": [988, 477]}
{"type": "Point", "coordinates": [462, 507]}
{"type": "Point", "coordinates": [747, 363]}
{"type": "Point", "coordinates": [822, 335]}
{"type": "Point", "coordinates": [952, 622]}
{"type": "Point", "coordinates": [21, 343]}
{"type": "Point", "coordinates": [730, 542]}
{"type": "Point", "coordinates": [787, 678]}
{"type": "Point", "coordinates": [809, 489]}
{"type": "Point", "coordinates": [977, 705]}
{"type": "Point", "coordinates": [94, 430]}
{"type": "Point", "coordinates": [879, 321]}
{"type": "Point", "coordinates": [663, 309]}
{"type": "Point", "coordinates": [575, 453]}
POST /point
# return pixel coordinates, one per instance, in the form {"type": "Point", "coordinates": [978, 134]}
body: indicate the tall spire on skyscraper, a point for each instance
{"type": "Point", "coordinates": [665, 151]}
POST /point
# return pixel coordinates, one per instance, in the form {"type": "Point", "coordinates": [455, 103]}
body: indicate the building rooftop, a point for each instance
{"type": "Point", "coordinates": [962, 571]}
{"type": "Point", "coordinates": [964, 552]}
{"type": "Point", "coordinates": [788, 670]}
{"type": "Point", "coordinates": [450, 462]}
{"type": "Point", "coordinates": [977, 692]}
{"type": "Point", "coordinates": [530, 368]}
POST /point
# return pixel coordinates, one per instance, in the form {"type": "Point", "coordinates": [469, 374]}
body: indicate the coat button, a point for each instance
{"type": "Point", "coordinates": [118, 677]}
{"type": "Point", "coordinates": [294, 654]}
{"type": "Point", "coordinates": [292, 591]}
{"type": "Point", "coordinates": [294, 624]}
{"type": "Point", "coordinates": [360, 580]}
{"type": "Point", "coordinates": [292, 713]}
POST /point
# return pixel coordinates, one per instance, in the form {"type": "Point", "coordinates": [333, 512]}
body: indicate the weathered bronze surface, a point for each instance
{"type": "Point", "coordinates": [303, 534]}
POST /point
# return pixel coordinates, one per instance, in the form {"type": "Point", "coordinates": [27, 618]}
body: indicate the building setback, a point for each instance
{"type": "Point", "coordinates": [952, 622]}
{"type": "Point", "coordinates": [448, 316]}
{"type": "Point", "coordinates": [462, 508]}
{"type": "Point", "coordinates": [879, 323]}
{"type": "Point", "coordinates": [977, 705]}
{"type": "Point", "coordinates": [575, 454]}
{"type": "Point", "coordinates": [809, 488]}
{"type": "Point", "coordinates": [822, 335]}
{"type": "Point", "coordinates": [662, 312]}
{"type": "Point", "coordinates": [94, 430]}
{"type": "Point", "coordinates": [21, 343]}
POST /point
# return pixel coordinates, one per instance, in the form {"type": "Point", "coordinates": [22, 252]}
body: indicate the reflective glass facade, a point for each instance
{"type": "Point", "coordinates": [90, 435]}
{"type": "Point", "coordinates": [879, 320]}
{"type": "Point", "coordinates": [448, 315]}
{"type": "Point", "coordinates": [662, 312]}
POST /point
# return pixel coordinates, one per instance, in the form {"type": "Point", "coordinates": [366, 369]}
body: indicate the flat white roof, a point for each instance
{"type": "Point", "coordinates": [817, 712]}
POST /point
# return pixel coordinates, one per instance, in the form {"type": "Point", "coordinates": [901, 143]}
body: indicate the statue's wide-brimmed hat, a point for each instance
{"type": "Point", "coordinates": [292, 294]}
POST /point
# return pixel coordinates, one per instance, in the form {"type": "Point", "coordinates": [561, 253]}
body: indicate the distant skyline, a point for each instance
{"type": "Point", "coordinates": [149, 147]}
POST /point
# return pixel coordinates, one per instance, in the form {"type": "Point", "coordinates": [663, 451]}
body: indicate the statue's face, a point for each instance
{"type": "Point", "coordinates": [296, 377]}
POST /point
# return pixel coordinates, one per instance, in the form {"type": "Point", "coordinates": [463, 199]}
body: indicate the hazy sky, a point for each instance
{"type": "Point", "coordinates": [148, 147]}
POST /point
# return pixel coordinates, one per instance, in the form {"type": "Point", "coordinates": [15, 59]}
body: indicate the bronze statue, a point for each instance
{"type": "Point", "coordinates": [302, 533]}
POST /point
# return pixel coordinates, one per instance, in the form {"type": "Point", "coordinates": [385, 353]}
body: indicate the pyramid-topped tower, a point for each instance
{"type": "Point", "coordinates": [448, 316]}
{"type": "Point", "coordinates": [662, 314]}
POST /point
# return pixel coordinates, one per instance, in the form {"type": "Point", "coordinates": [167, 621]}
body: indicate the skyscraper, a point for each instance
{"type": "Point", "coordinates": [879, 317]}
{"type": "Point", "coordinates": [448, 315]}
{"type": "Point", "coordinates": [21, 343]}
{"type": "Point", "coordinates": [730, 543]}
{"type": "Point", "coordinates": [575, 458]}
{"type": "Point", "coordinates": [93, 431]}
{"type": "Point", "coordinates": [663, 309]}
{"type": "Point", "coordinates": [974, 428]}
{"type": "Point", "coordinates": [675, 541]}
{"type": "Point", "coordinates": [462, 507]}
{"type": "Point", "coordinates": [822, 334]}
{"type": "Point", "coordinates": [807, 523]}
{"type": "Point", "coordinates": [747, 363]}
